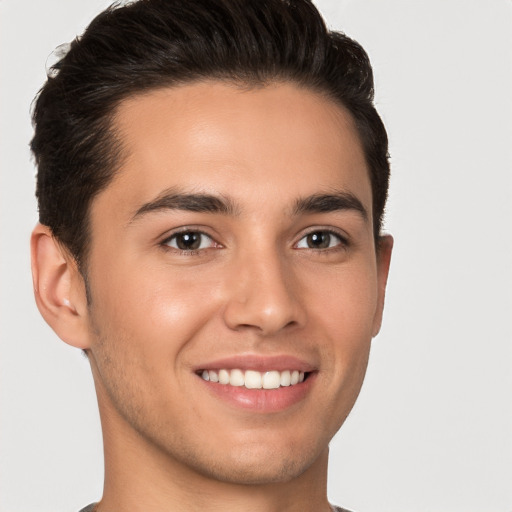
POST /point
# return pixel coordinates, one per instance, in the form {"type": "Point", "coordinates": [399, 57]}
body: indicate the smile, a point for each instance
{"type": "Point", "coordinates": [252, 379]}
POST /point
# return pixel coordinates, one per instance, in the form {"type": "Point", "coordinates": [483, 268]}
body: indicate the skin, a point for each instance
{"type": "Point", "coordinates": [253, 287]}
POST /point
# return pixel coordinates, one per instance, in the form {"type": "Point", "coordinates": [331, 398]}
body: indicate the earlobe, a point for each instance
{"type": "Point", "coordinates": [384, 250]}
{"type": "Point", "coordinates": [58, 288]}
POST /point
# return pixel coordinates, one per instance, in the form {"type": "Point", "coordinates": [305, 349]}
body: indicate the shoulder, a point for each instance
{"type": "Point", "coordinates": [90, 508]}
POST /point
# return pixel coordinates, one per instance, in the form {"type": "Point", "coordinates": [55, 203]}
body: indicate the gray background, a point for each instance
{"type": "Point", "coordinates": [432, 430]}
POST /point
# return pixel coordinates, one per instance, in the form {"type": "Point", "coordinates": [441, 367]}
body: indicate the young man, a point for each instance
{"type": "Point", "coordinates": [212, 178]}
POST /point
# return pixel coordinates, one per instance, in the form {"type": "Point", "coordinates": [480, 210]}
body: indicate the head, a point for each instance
{"type": "Point", "coordinates": [214, 173]}
{"type": "Point", "coordinates": [147, 45]}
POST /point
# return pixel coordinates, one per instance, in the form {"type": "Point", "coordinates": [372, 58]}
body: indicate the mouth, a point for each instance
{"type": "Point", "coordinates": [259, 384]}
{"type": "Point", "coordinates": [252, 379]}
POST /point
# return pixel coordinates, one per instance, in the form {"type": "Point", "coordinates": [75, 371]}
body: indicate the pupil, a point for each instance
{"type": "Point", "coordinates": [319, 240]}
{"type": "Point", "coordinates": [187, 241]}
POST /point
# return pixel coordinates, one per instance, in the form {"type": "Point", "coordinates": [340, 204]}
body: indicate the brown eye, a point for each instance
{"type": "Point", "coordinates": [189, 241]}
{"type": "Point", "coordinates": [319, 240]}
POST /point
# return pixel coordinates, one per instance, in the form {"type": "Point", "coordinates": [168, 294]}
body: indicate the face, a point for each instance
{"type": "Point", "coordinates": [234, 244]}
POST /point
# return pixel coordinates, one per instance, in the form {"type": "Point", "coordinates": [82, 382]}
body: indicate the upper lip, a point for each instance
{"type": "Point", "coordinates": [258, 363]}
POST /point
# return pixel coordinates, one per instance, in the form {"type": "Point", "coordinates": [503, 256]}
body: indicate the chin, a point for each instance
{"type": "Point", "coordinates": [261, 467]}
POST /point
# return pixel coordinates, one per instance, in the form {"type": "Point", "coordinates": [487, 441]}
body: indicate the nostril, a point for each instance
{"type": "Point", "coordinates": [263, 301]}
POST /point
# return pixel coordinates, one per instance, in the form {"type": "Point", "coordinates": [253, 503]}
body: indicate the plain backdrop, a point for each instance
{"type": "Point", "coordinates": [432, 429]}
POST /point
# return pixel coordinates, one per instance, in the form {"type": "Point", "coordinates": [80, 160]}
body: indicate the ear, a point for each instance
{"type": "Point", "coordinates": [383, 250]}
{"type": "Point", "coordinates": [59, 288]}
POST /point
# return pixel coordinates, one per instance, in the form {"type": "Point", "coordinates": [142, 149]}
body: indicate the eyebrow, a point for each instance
{"type": "Point", "coordinates": [325, 203]}
{"type": "Point", "coordinates": [208, 203]}
{"type": "Point", "coordinates": [192, 202]}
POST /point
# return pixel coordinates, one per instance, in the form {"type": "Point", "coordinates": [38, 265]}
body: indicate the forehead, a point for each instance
{"type": "Point", "coordinates": [268, 143]}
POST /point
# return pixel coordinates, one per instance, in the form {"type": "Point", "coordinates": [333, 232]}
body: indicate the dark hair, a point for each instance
{"type": "Point", "coordinates": [148, 44]}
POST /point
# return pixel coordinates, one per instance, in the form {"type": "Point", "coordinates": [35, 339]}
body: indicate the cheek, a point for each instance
{"type": "Point", "coordinates": [156, 311]}
{"type": "Point", "coordinates": [142, 328]}
{"type": "Point", "coordinates": [347, 303]}
{"type": "Point", "coordinates": [345, 316]}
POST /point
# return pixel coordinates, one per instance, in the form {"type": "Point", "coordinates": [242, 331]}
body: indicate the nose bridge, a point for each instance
{"type": "Point", "coordinates": [263, 292]}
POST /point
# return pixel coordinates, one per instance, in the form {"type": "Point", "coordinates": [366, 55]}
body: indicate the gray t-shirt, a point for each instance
{"type": "Point", "coordinates": [90, 508]}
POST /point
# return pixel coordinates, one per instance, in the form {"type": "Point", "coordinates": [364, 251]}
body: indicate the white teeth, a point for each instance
{"type": "Point", "coordinates": [252, 379]}
{"type": "Point", "coordinates": [271, 380]}
{"type": "Point", "coordinates": [285, 378]}
{"type": "Point", "coordinates": [236, 378]}
{"type": "Point", "coordinates": [224, 377]}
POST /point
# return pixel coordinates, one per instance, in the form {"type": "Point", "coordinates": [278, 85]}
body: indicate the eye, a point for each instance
{"type": "Point", "coordinates": [189, 241]}
{"type": "Point", "coordinates": [321, 239]}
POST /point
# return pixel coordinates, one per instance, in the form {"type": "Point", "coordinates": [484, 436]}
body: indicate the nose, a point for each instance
{"type": "Point", "coordinates": [264, 295]}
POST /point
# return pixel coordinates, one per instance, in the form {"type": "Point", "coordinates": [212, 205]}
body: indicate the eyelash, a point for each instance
{"type": "Point", "coordinates": [343, 243]}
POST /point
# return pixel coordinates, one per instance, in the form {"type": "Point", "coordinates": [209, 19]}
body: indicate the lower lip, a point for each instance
{"type": "Point", "coordinates": [261, 400]}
